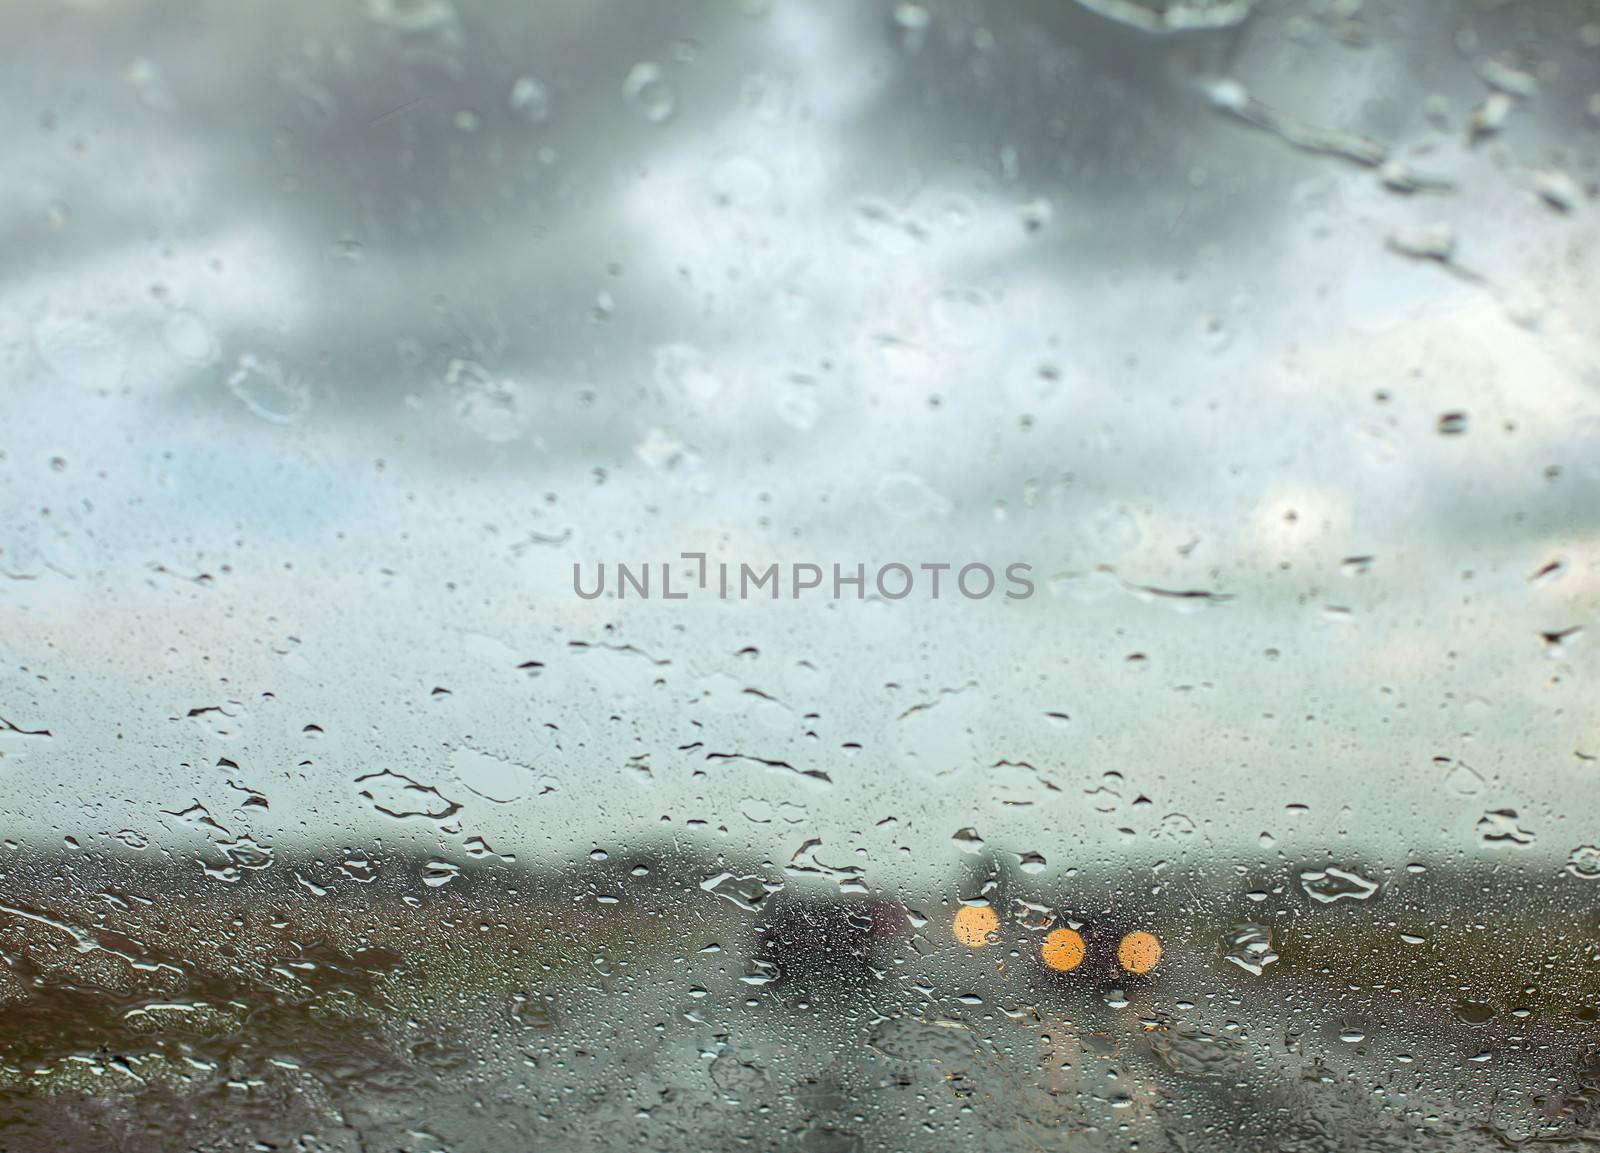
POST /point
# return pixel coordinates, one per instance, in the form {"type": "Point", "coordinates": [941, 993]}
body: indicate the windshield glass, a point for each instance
{"type": "Point", "coordinates": [781, 575]}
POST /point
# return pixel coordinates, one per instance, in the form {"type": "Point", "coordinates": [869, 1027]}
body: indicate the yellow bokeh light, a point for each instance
{"type": "Point", "coordinates": [973, 925]}
{"type": "Point", "coordinates": [1062, 950]}
{"type": "Point", "coordinates": [1139, 952]}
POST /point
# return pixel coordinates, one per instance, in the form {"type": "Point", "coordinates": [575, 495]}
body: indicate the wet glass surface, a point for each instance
{"type": "Point", "coordinates": [342, 344]}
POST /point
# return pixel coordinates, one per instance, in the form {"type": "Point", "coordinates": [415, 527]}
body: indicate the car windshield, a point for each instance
{"type": "Point", "coordinates": [864, 577]}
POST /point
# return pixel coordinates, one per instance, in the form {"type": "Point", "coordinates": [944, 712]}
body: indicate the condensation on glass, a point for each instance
{"type": "Point", "coordinates": [334, 337]}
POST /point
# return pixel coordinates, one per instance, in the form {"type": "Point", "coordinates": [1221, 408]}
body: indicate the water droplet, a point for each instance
{"type": "Point", "coordinates": [647, 89]}
{"type": "Point", "coordinates": [967, 840]}
{"type": "Point", "coordinates": [1584, 863]}
{"type": "Point", "coordinates": [1557, 189]}
{"type": "Point", "coordinates": [1425, 242]}
{"type": "Point", "coordinates": [1463, 781]}
{"type": "Point", "coordinates": [1250, 947]}
{"type": "Point", "coordinates": [1160, 16]}
{"type": "Point", "coordinates": [530, 100]}
{"type": "Point", "coordinates": [683, 378]}
{"type": "Point", "coordinates": [1512, 81]}
{"type": "Point", "coordinates": [493, 778]}
{"type": "Point", "coordinates": [1558, 642]}
{"type": "Point", "coordinates": [1499, 827]}
{"type": "Point", "coordinates": [1335, 884]}
{"type": "Point", "coordinates": [748, 892]}
{"type": "Point", "coordinates": [534, 1012]}
{"type": "Point", "coordinates": [762, 972]}
{"type": "Point", "coordinates": [245, 853]}
{"type": "Point", "coordinates": [493, 408]}
{"type": "Point", "coordinates": [478, 848]}
{"type": "Point", "coordinates": [1215, 335]}
{"type": "Point", "coordinates": [436, 873]}
{"type": "Point", "coordinates": [1176, 825]}
{"type": "Point", "coordinates": [741, 181]}
{"type": "Point", "coordinates": [912, 16]}
{"type": "Point", "coordinates": [881, 226]}
{"type": "Point", "coordinates": [1036, 214]}
{"type": "Point", "coordinates": [269, 390]}
{"type": "Point", "coordinates": [359, 869]}
{"type": "Point", "coordinates": [1549, 572]}
{"type": "Point", "coordinates": [1489, 117]}
{"type": "Point", "coordinates": [666, 453]}
{"type": "Point", "coordinates": [81, 351]}
{"type": "Point", "coordinates": [399, 796]}
{"type": "Point", "coordinates": [188, 337]}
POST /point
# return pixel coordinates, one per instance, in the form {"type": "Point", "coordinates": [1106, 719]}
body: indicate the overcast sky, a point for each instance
{"type": "Point", "coordinates": [332, 336]}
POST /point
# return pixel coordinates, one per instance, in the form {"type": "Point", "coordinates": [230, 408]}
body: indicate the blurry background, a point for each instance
{"type": "Point", "coordinates": [333, 336]}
